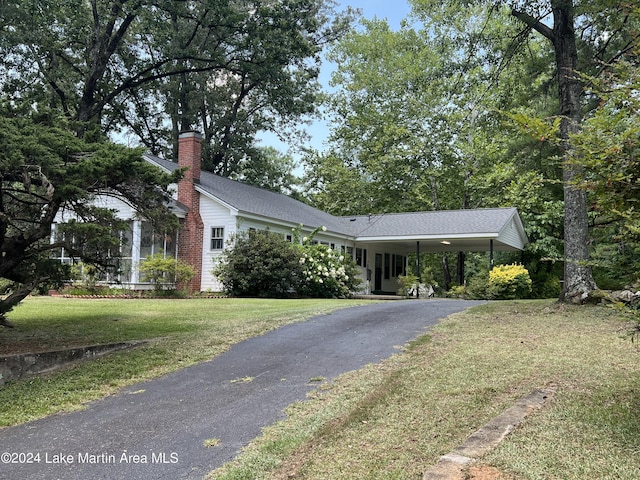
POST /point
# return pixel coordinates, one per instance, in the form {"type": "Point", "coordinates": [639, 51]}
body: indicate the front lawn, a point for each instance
{"type": "Point", "coordinates": [390, 420]}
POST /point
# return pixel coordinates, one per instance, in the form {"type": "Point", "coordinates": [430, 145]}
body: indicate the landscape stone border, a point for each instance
{"type": "Point", "coordinates": [453, 465]}
{"type": "Point", "coordinates": [13, 367]}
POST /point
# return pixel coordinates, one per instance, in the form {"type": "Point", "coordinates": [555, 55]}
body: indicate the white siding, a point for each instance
{"type": "Point", "coordinates": [124, 211]}
{"type": "Point", "coordinates": [246, 224]}
{"type": "Point", "coordinates": [387, 284]}
{"type": "Point", "coordinates": [213, 214]}
{"type": "Point", "coordinates": [510, 235]}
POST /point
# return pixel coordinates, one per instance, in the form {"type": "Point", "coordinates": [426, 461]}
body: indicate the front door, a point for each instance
{"type": "Point", "coordinates": [378, 273]}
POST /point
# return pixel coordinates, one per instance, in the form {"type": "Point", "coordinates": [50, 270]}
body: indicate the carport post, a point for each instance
{"type": "Point", "coordinates": [418, 268]}
{"type": "Point", "coordinates": [491, 254]}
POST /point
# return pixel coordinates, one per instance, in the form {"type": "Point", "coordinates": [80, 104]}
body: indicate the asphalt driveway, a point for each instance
{"type": "Point", "coordinates": [156, 429]}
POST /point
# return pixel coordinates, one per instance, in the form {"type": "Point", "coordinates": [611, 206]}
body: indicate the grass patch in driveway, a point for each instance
{"type": "Point", "coordinates": [183, 331]}
{"type": "Point", "coordinates": [395, 419]}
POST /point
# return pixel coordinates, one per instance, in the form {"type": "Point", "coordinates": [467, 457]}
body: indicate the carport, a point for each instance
{"type": "Point", "coordinates": [478, 230]}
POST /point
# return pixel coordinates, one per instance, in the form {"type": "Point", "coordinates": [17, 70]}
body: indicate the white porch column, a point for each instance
{"type": "Point", "coordinates": [136, 239]}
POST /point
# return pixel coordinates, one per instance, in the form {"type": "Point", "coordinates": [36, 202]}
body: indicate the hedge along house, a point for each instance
{"type": "Point", "coordinates": [213, 209]}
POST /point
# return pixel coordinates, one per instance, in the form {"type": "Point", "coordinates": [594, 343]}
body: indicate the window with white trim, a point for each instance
{"type": "Point", "coordinates": [217, 238]}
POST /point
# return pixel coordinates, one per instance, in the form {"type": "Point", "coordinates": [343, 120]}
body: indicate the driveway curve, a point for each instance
{"type": "Point", "coordinates": [157, 429]}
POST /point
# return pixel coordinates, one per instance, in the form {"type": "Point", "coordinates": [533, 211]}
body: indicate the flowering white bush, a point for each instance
{"type": "Point", "coordinates": [325, 272]}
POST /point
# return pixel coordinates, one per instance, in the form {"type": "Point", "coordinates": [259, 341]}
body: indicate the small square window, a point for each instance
{"type": "Point", "coordinates": [217, 238]}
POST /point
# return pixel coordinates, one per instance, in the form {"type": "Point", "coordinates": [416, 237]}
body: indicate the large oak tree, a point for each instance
{"type": "Point", "coordinates": [153, 68]}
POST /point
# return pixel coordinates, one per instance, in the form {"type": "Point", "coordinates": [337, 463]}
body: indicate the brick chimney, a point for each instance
{"type": "Point", "coordinates": [190, 240]}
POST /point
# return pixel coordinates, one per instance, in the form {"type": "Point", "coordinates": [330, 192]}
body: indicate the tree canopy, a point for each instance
{"type": "Point", "coordinates": [438, 114]}
{"type": "Point", "coordinates": [45, 169]}
{"type": "Point", "coordinates": [153, 69]}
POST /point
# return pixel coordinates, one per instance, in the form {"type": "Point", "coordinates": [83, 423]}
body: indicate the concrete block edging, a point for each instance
{"type": "Point", "coordinates": [452, 465]}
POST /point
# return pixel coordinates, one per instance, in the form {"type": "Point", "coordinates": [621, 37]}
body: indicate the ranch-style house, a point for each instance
{"type": "Point", "coordinates": [212, 209]}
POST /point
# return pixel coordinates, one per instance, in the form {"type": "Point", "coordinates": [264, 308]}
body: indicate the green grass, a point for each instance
{"type": "Point", "coordinates": [182, 332]}
{"type": "Point", "coordinates": [390, 420]}
{"type": "Point", "coordinates": [395, 419]}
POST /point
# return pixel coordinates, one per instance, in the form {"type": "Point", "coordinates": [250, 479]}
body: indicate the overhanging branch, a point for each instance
{"type": "Point", "coordinates": [535, 24]}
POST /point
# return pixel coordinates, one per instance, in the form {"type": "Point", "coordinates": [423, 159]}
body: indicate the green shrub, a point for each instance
{"type": "Point", "coordinates": [457, 291]}
{"type": "Point", "coordinates": [545, 285]}
{"type": "Point", "coordinates": [81, 290]}
{"type": "Point", "coordinates": [5, 286]}
{"type": "Point", "coordinates": [85, 276]}
{"type": "Point", "coordinates": [509, 282]}
{"type": "Point", "coordinates": [165, 273]}
{"type": "Point", "coordinates": [259, 264]}
{"type": "Point", "coordinates": [406, 283]}
{"type": "Point", "coordinates": [478, 286]}
{"type": "Point", "coordinates": [264, 264]}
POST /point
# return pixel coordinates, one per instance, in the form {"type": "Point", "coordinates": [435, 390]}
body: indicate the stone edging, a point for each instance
{"type": "Point", "coordinates": [13, 367]}
{"type": "Point", "coordinates": [452, 466]}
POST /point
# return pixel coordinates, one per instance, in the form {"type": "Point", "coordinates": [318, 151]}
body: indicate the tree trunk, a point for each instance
{"type": "Point", "coordinates": [19, 294]}
{"type": "Point", "coordinates": [446, 272]}
{"type": "Point", "coordinates": [460, 268]}
{"type": "Point", "coordinates": [578, 280]}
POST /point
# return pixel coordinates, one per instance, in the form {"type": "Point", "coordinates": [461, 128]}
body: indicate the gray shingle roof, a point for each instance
{"type": "Point", "coordinates": [250, 200]}
{"type": "Point", "coordinates": [257, 201]}
{"type": "Point", "coordinates": [439, 223]}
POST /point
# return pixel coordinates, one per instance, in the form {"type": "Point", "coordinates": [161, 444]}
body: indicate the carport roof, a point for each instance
{"type": "Point", "coordinates": [445, 230]}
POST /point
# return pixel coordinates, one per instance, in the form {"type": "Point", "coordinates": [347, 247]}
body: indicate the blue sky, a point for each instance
{"type": "Point", "coordinates": [393, 12]}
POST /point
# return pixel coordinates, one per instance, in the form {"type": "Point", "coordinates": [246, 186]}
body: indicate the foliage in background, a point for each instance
{"type": "Point", "coordinates": [608, 149]}
{"type": "Point", "coordinates": [478, 285]}
{"type": "Point", "coordinates": [152, 69]}
{"type": "Point", "coordinates": [85, 275]}
{"type": "Point", "coordinates": [167, 274]}
{"type": "Point", "coordinates": [85, 278]}
{"type": "Point", "coordinates": [545, 284]}
{"type": "Point", "coordinates": [406, 283]}
{"type": "Point", "coordinates": [419, 112]}
{"type": "Point", "coordinates": [269, 169]}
